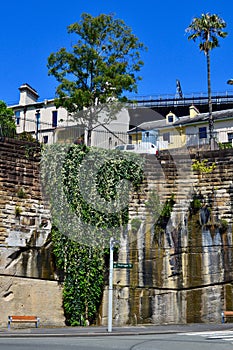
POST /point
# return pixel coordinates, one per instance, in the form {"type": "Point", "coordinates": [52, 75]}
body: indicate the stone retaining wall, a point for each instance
{"type": "Point", "coordinates": [180, 274]}
{"type": "Point", "coordinates": [183, 273]}
{"type": "Point", "coordinates": [28, 281]}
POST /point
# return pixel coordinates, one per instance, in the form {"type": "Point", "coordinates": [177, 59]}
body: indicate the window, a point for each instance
{"type": "Point", "coordinates": [202, 133]}
{"type": "Point", "coordinates": [54, 119]}
{"type": "Point", "coordinates": [120, 147]}
{"type": "Point", "coordinates": [17, 116]}
{"type": "Point", "coordinates": [45, 139]}
{"type": "Point", "coordinates": [170, 119]}
{"type": "Point", "coordinates": [230, 136]}
{"type": "Point", "coordinates": [166, 137]}
{"type": "Point", "coordinates": [130, 147]}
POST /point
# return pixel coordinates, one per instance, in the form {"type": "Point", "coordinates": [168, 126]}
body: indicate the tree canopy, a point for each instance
{"type": "Point", "coordinates": [207, 29]}
{"type": "Point", "coordinates": [103, 63]}
{"type": "Point", "coordinates": [7, 123]}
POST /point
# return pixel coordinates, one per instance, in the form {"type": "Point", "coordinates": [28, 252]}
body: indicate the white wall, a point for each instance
{"type": "Point", "coordinates": [103, 136]}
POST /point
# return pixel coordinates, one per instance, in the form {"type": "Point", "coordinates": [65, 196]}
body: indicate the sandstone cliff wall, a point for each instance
{"type": "Point", "coordinates": [183, 272]}
{"type": "Point", "coordinates": [28, 282]}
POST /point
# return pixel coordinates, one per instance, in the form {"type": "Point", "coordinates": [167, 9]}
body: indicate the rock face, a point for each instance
{"type": "Point", "coordinates": [27, 296]}
{"type": "Point", "coordinates": [179, 241]}
{"type": "Point", "coordinates": [182, 266]}
{"type": "Point", "coordinates": [28, 282]}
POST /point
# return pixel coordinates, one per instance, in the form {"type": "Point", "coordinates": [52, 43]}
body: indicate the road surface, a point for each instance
{"type": "Point", "coordinates": [222, 340]}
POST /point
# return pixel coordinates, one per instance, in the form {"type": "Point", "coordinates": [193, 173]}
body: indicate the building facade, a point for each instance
{"type": "Point", "coordinates": [190, 131]}
{"type": "Point", "coordinates": [48, 124]}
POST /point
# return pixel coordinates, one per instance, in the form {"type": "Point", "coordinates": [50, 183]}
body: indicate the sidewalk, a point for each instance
{"type": "Point", "coordinates": [116, 331]}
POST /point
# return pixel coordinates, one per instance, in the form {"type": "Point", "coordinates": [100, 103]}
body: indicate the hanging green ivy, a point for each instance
{"type": "Point", "coordinates": [104, 170]}
{"type": "Point", "coordinates": [88, 190]}
{"type": "Point", "coordinates": [83, 268]}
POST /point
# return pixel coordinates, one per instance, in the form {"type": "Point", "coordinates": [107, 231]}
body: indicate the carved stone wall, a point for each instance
{"type": "Point", "coordinates": [180, 274]}
{"type": "Point", "coordinates": [28, 282]}
{"type": "Point", "coordinates": [184, 272]}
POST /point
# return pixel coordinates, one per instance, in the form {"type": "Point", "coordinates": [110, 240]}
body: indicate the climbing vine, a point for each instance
{"type": "Point", "coordinates": [84, 220]}
{"type": "Point", "coordinates": [83, 269]}
{"type": "Point", "coordinates": [109, 209]}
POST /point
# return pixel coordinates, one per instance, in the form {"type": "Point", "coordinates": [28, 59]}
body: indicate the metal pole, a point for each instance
{"type": "Point", "coordinates": [37, 123]}
{"type": "Point", "coordinates": [110, 288]}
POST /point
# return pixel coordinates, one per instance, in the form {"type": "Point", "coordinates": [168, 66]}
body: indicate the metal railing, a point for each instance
{"type": "Point", "coordinates": [187, 100]}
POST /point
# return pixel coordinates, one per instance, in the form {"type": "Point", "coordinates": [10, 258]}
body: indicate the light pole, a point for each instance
{"type": "Point", "coordinates": [110, 288]}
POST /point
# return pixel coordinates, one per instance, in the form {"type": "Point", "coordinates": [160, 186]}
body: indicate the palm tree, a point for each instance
{"type": "Point", "coordinates": [207, 29]}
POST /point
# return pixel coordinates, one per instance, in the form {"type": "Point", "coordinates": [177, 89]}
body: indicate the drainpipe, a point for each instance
{"type": "Point", "coordinates": [37, 123]}
{"type": "Point", "coordinates": [24, 118]}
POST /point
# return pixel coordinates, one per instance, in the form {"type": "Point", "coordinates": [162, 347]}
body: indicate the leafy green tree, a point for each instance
{"type": "Point", "coordinates": [207, 28]}
{"type": "Point", "coordinates": [7, 123]}
{"type": "Point", "coordinates": [103, 64]}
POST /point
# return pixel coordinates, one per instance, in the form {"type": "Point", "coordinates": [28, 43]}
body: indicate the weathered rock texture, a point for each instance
{"type": "Point", "coordinates": [182, 267]}
{"type": "Point", "coordinates": [183, 272]}
{"type": "Point", "coordinates": [27, 296]}
{"type": "Point", "coordinates": [28, 283]}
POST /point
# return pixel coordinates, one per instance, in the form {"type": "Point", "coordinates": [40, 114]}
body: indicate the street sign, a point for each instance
{"type": "Point", "coordinates": [122, 265]}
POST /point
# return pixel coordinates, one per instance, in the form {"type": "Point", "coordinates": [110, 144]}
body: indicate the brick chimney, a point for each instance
{"type": "Point", "coordinates": [27, 95]}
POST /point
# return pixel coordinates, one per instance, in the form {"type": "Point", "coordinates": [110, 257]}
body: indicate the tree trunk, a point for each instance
{"type": "Point", "coordinates": [89, 137]}
{"type": "Point", "coordinates": [211, 121]}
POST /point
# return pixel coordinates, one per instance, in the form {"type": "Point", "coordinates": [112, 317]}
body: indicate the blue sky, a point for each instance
{"type": "Point", "coordinates": [30, 31]}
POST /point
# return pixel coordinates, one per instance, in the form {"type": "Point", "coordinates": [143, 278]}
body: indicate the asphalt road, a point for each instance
{"type": "Point", "coordinates": [180, 341]}
{"type": "Point", "coordinates": [154, 337]}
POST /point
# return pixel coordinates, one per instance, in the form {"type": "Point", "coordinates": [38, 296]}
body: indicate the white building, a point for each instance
{"type": "Point", "coordinates": [49, 124]}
